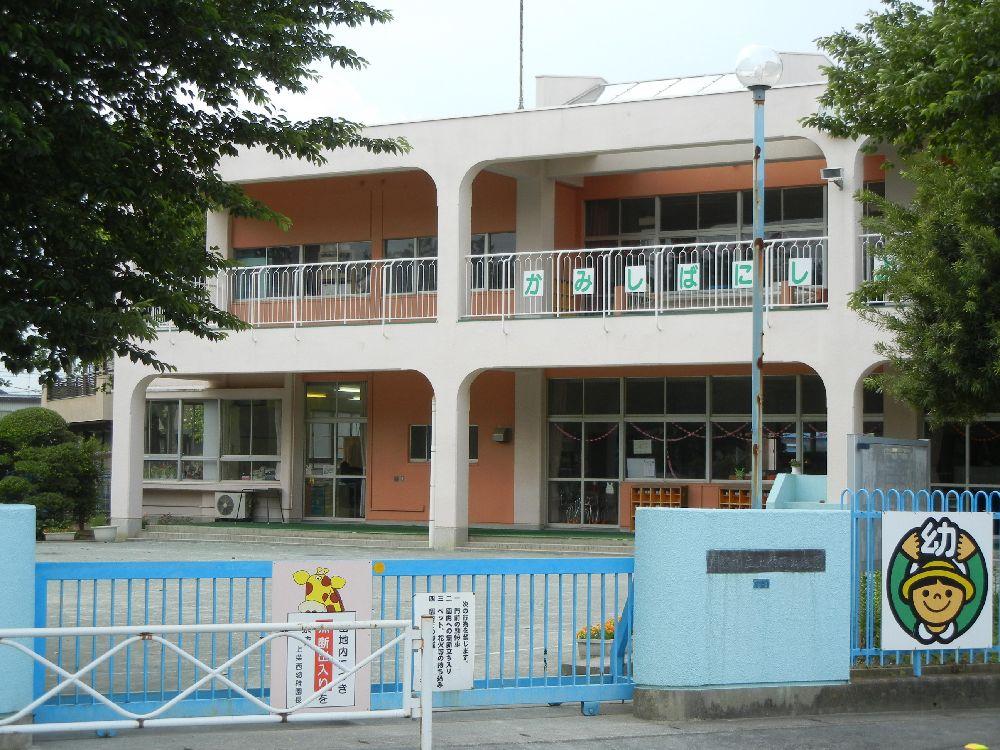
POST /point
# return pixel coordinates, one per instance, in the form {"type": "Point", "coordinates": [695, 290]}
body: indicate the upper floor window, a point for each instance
{"type": "Point", "coordinates": [704, 217]}
{"type": "Point", "coordinates": [493, 272]}
{"type": "Point", "coordinates": [415, 264]}
{"type": "Point", "coordinates": [327, 274]}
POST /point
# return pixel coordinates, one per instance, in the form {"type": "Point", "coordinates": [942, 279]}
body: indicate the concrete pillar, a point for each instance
{"type": "Point", "coordinates": [217, 239]}
{"type": "Point", "coordinates": [536, 213]}
{"type": "Point", "coordinates": [454, 209]}
{"type": "Point", "coordinates": [17, 610]}
{"type": "Point", "coordinates": [289, 458]}
{"type": "Point", "coordinates": [129, 415]}
{"type": "Point", "coordinates": [844, 391]}
{"type": "Point", "coordinates": [529, 448]}
{"type": "Point", "coordinates": [843, 217]}
{"type": "Point", "coordinates": [901, 420]}
{"type": "Point", "coordinates": [296, 441]}
{"type": "Point", "coordinates": [449, 507]}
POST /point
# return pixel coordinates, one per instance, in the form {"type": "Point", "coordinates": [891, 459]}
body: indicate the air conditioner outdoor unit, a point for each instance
{"type": "Point", "coordinates": [230, 505]}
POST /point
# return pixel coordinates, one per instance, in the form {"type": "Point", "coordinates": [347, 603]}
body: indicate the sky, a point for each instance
{"type": "Point", "coordinates": [446, 58]}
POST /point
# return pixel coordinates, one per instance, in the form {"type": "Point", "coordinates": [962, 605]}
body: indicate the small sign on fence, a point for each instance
{"type": "Point", "coordinates": [454, 638]}
{"type": "Point", "coordinates": [327, 591]}
{"type": "Point", "coordinates": [937, 573]}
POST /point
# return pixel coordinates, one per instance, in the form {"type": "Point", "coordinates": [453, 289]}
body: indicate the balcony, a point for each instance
{"type": "Point", "coordinates": [655, 279]}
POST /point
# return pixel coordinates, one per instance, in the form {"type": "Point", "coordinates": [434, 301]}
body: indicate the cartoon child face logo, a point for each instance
{"type": "Point", "coordinates": [937, 581]}
{"type": "Point", "coordinates": [322, 591]}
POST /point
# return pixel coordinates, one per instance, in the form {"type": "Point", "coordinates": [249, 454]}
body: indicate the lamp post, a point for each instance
{"type": "Point", "coordinates": [758, 68]}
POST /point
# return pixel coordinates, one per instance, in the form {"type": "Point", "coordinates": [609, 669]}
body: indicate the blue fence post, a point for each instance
{"type": "Point", "coordinates": [17, 605]}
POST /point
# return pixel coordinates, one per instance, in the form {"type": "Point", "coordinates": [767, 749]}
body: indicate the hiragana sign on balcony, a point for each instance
{"type": "Point", "coordinates": [533, 284]}
{"type": "Point", "coordinates": [635, 279]}
{"type": "Point", "coordinates": [583, 281]}
{"type": "Point", "coordinates": [742, 274]}
{"type": "Point", "coordinates": [800, 272]}
{"type": "Point", "coordinates": [688, 277]}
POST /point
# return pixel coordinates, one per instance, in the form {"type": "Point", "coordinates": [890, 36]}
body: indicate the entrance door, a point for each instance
{"type": "Point", "coordinates": [336, 449]}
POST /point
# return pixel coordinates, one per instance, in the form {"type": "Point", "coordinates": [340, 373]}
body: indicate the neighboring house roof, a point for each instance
{"type": "Point", "coordinates": [13, 401]}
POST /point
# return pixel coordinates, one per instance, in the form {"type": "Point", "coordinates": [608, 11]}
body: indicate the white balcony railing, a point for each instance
{"type": "Point", "coordinates": [369, 291]}
{"type": "Point", "coordinates": [646, 279]}
{"type": "Point", "coordinates": [872, 260]}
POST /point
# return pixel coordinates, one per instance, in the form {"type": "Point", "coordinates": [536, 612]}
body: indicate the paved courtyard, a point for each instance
{"type": "Point", "coordinates": [563, 728]}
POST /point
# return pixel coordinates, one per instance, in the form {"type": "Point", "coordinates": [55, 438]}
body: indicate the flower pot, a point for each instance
{"type": "Point", "coordinates": [796, 470]}
{"type": "Point", "coordinates": [594, 650]}
{"type": "Point", "coordinates": [59, 536]}
{"type": "Point", "coordinates": [105, 533]}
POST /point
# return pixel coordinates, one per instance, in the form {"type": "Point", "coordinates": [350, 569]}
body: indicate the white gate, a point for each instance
{"type": "Point", "coordinates": [415, 640]}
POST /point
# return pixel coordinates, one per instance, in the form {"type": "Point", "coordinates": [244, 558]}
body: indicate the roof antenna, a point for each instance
{"type": "Point", "coordinates": [520, 70]}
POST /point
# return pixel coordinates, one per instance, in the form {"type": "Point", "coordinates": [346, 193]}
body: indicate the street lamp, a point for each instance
{"type": "Point", "coordinates": [758, 68]}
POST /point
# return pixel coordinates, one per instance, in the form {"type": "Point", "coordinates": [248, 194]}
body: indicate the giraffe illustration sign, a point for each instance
{"type": "Point", "coordinates": [937, 569]}
{"type": "Point", "coordinates": [308, 672]}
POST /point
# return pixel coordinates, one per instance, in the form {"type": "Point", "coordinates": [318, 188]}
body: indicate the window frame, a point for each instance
{"type": "Point", "coordinates": [483, 277]}
{"type": "Point", "coordinates": [473, 440]}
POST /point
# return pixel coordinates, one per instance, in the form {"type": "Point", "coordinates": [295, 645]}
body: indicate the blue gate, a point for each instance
{"type": "Point", "coordinates": [866, 579]}
{"type": "Point", "coordinates": [530, 613]}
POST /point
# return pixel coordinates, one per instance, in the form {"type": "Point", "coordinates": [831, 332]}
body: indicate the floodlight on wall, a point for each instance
{"type": "Point", "coordinates": [834, 175]}
{"type": "Point", "coordinates": [758, 67]}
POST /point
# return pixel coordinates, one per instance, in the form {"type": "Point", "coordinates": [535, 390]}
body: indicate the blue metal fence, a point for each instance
{"type": "Point", "coordinates": [866, 590]}
{"type": "Point", "coordinates": [528, 614]}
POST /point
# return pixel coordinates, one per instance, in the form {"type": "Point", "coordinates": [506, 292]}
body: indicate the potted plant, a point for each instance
{"type": "Point", "coordinates": [796, 466]}
{"type": "Point", "coordinates": [598, 634]}
{"type": "Point", "coordinates": [739, 473]}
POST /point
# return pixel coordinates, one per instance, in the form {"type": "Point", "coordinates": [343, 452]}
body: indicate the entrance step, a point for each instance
{"type": "Point", "coordinates": [278, 535]}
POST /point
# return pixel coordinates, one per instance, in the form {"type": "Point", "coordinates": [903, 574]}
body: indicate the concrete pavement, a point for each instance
{"type": "Point", "coordinates": [562, 727]}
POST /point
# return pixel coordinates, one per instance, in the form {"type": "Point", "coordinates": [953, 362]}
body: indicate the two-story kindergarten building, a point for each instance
{"type": "Point", "coordinates": [533, 318]}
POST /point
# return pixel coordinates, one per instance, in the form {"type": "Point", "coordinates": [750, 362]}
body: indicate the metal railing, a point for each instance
{"type": "Point", "coordinates": [867, 508]}
{"type": "Point", "coordinates": [529, 613]}
{"type": "Point", "coordinates": [872, 260]}
{"type": "Point", "coordinates": [119, 639]}
{"type": "Point", "coordinates": [84, 383]}
{"type": "Point", "coordinates": [645, 279]}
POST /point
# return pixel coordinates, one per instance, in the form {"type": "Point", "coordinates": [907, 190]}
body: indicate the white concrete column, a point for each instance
{"type": "Point", "coordinates": [449, 507]}
{"type": "Point", "coordinates": [843, 216]}
{"type": "Point", "coordinates": [129, 419]}
{"type": "Point", "coordinates": [529, 448]}
{"type": "Point", "coordinates": [296, 441]}
{"type": "Point", "coordinates": [454, 219]}
{"type": "Point", "coordinates": [289, 458]}
{"type": "Point", "coordinates": [536, 213]}
{"type": "Point", "coordinates": [217, 239]}
{"type": "Point", "coordinates": [843, 418]}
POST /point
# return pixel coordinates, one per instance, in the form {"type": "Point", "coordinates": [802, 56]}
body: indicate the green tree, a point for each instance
{"type": "Point", "coordinates": [114, 120]}
{"type": "Point", "coordinates": [927, 80]}
{"type": "Point", "coordinates": [43, 464]}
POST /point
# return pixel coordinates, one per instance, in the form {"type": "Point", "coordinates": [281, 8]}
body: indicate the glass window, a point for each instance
{"type": "Point", "coordinates": [779, 395]}
{"type": "Point", "coordinates": [802, 204]}
{"type": "Point", "coordinates": [600, 450]}
{"type": "Point", "coordinates": [351, 400]}
{"type": "Point", "coordinates": [473, 442]}
{"type": "Point", "coordinates": [420, 442]}
{"type": "Point", "coordinates": [601, 218]}
{"type": "Point", "coordinates": [265, 418]}
{"type": "Point", "coordinates": [250, 439]}
{"type": "Point", "coordinates": [402, 248]}
{"type": "Point", "coordinates": [493, 273]}
{"type": "Point", "coordinates": [638, 215]}
{"type": "Point", "coordinates": [731, 443]}
{"type": "Point", "coordinates": [984, 453]}
{"type": "Point", "coordinates": [321, 400]}
{"type": "Point", "coordinates": [873, 427]}
{"type": "Point", "coordinates": [716, 210]}
{"type": "Point", "coordinates": [772, 209]}
{"type": "Point", "coordinates": [600, 502]}
{"type": "Point", "coordinates": [948, 454]}
{"type": "Point", "coordinates": [282, 255]}
{"type": "Point", "coordinates": [565, 396]}
{"type": "Point", "coordinates": [870, 209]}
{"type": "Point", "coordinates": [601, 396]}
{"type": "Point", "coordinates": [685, 450]}
{"type": "Point", "coordinates": [813, 395]}
{"type": "Point", "coordinates": [160, 469]}
{"type": "Point", "coordinates": [254, 256]}
{"type": "Point", "coordinates": [193, 429]}
{"type": "Point", "coordinates": [502, 242]}
{"type": "Point", "coordinates": [874, 402]}
{"type": "Point", "coordinates": [564, 449]}
{"type": "Point", "coordinates": [236, 421]}
{"type": "Point", "coordinates": [161, 427]}
{"type": "Point", "coordinates": [644, 457]}
{"type": "Point", "coordinates": [565, 502]}
{"type": "Point", "coordinates": [814, 440]}
{"type": "Point", "coordinates": [731, 395]}
{"type": "Point", "coordinates": [686, 396]}
{"type": "Point", "coordinates": [780, 447]}
{"type": "Point", "coordinates": [644, 396]}
{"type": "Point", "coordinates": [678, 212]}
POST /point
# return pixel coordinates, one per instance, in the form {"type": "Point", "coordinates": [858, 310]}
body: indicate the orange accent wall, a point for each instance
{"type": "Point", "coordinates": [375, 208]}
{"type": "Point", "coordinates": [491, 479]}
{"type": "Point", "coordinates": [700, 179]}
{"type": "Point", "coordinates": [397, 400]}
{"type": "Point", "coordinates": [568, 231]}
{"type": "Point", "coordinates": [873, 168]}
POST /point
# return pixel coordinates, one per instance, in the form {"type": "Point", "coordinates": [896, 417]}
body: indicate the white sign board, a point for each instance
{"type": "Point", "coordinates": [688, 277]}
{"type": "Point", "coordinates": [583, 281]}
{"type": "Point", "coordinates": [635, 279]}
{"type": "Point", "coordinates": [742, 274]}
{"type": "Point", "coordinates": [533, 283]}
{"type": "Point", "coordinates": [326, 591]}
{"type": "Point", "coordinates": [938, 575]}
{"type": "Point", "coordinates": [454, 638]}
{"type": "Point", "coordinates": [800, 272]}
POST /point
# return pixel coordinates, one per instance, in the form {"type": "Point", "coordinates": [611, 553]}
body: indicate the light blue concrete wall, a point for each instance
{"type": "Point", "coordinates": [697, 629]}
{"type": "Point", "coordinates": [17, 600]}
{"type": "Point", "coordinates": [799, 491]}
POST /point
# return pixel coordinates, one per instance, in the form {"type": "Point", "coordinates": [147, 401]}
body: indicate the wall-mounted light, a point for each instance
{"type": "Point", "coordinates": [501, 435]}
{"type": "Point", "coordinates": [834, 175]}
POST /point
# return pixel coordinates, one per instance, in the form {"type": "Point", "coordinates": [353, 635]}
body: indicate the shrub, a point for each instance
{"type": "Point", "coordinates": [35, 426]}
